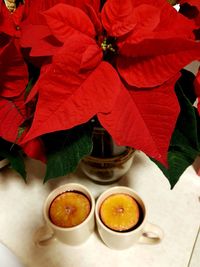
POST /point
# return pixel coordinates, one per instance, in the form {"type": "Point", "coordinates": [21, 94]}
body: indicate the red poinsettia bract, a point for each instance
{"type": "Point", "coordinates": [120, 64]}
{"type": "Point", "coordinates": [191, 9]}
{"type": "Point", "coordinates": [14, 78]}
{"type": "Point", "coordinates": [13, 111]}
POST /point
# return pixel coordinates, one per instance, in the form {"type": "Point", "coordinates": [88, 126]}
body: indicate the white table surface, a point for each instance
{"type": "Point", "coordinates": [176, 211]}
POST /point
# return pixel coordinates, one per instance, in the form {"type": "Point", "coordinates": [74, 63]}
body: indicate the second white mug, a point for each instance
{"type": "Point", "coordinates": [145, 232]}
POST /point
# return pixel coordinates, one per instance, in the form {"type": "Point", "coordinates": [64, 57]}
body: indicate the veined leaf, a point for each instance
{"type": "Point", "coordinates": [184, 147]}
{"type": "Point", "coordinates": [12, 115]}
{"type": "Point", "coordinates": [187, 123]}
{"type": "Point", "coordinates": [186, 82]}
{"type": "Point", "coordinates": [64, 26]}
{"type": "Point", "coordinates": [178, 162]}
{"type": "Point", "coordinates": [65, 149]}
{"type": "Point", "coordinates": [14, 72]}
{"type": "Point", "coordinates": [82, 92]}
{"type": "Point", "coordinates": [117, 17]}
{"type": "Point", "coordinates": [144, 119]}
{"type": "Point", "coordinates": [14, 154]}
{"type": "Point", "coordinates": [152, 70]}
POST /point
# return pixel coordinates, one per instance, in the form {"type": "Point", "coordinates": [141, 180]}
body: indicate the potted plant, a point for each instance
{"type": "Point", "coordinates": [117, 61]}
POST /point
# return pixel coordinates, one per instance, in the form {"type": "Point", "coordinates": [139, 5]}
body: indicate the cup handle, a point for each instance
{"type": "Point", "coordinates": [44, 236]}
{"type": "Point", "coordinates": [152, 234]}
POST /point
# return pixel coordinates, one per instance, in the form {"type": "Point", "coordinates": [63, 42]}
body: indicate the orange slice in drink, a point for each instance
{"type": "Point", "coordinates": [69, 209]}
{"type": "Point", "coordinates": [119, 212]}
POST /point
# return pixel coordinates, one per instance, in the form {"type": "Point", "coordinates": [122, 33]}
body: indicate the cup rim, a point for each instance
{"type": "Point", "coordinates": [112, 190]}
{"type": "Point", "coordinates": [61, 189]}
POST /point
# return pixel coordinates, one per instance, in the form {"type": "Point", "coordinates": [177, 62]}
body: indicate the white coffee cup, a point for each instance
{"type": "Point", "coordinates": [145, 232]}
{"type": "Point", "coordinates": [75, 235]}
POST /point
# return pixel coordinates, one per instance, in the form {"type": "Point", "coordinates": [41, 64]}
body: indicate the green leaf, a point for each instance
{"type": "Point", "coordinates": [66, 149]}
{"type": "Point", "coordinates": [29, 87]}
{"type": "Point", "coordinates": [17, 163]}
{"type": "Point", "coordinates": [186, 81]}
{"type": "Point", "coordinates": [15, 156]}
{"type": "Point", "coordinates": [178, 162]}
{"type": "Point", "coordinates": [184, 146]}
{"type": "Point", "coordinates": [187, 123]}
{"type": "Point", "coordinates": [34, 73]}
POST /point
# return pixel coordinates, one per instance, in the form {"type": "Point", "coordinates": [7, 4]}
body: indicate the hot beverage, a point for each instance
{"type": "Point", "coordinates": [69, 216]}
{"type": "Point", "coordinates": [120, 212]}
{"type": "Point", "coordinates": [121, 219]}
{"type": "Point", "coordinates": [69, 209]}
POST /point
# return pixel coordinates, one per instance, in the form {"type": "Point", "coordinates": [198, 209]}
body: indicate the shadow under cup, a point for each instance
{"type": "Point", "coordinates": [142, 232]}
{"type": "Point", "coordinates": [71, 235]}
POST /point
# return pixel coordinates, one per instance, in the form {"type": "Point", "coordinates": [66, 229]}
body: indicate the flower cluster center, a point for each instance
{"type": "Point", "coordinates": [106, 45]}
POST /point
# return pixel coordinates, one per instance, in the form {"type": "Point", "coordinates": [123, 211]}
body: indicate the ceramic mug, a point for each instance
{"type": "Point", "coordinates": [71, 235]}
{"type": "Point", "coordinates": [145, 232]}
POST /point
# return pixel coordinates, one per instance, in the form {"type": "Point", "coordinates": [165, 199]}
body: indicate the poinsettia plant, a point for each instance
{"type": "Point", "coordinates": [64, 63]}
